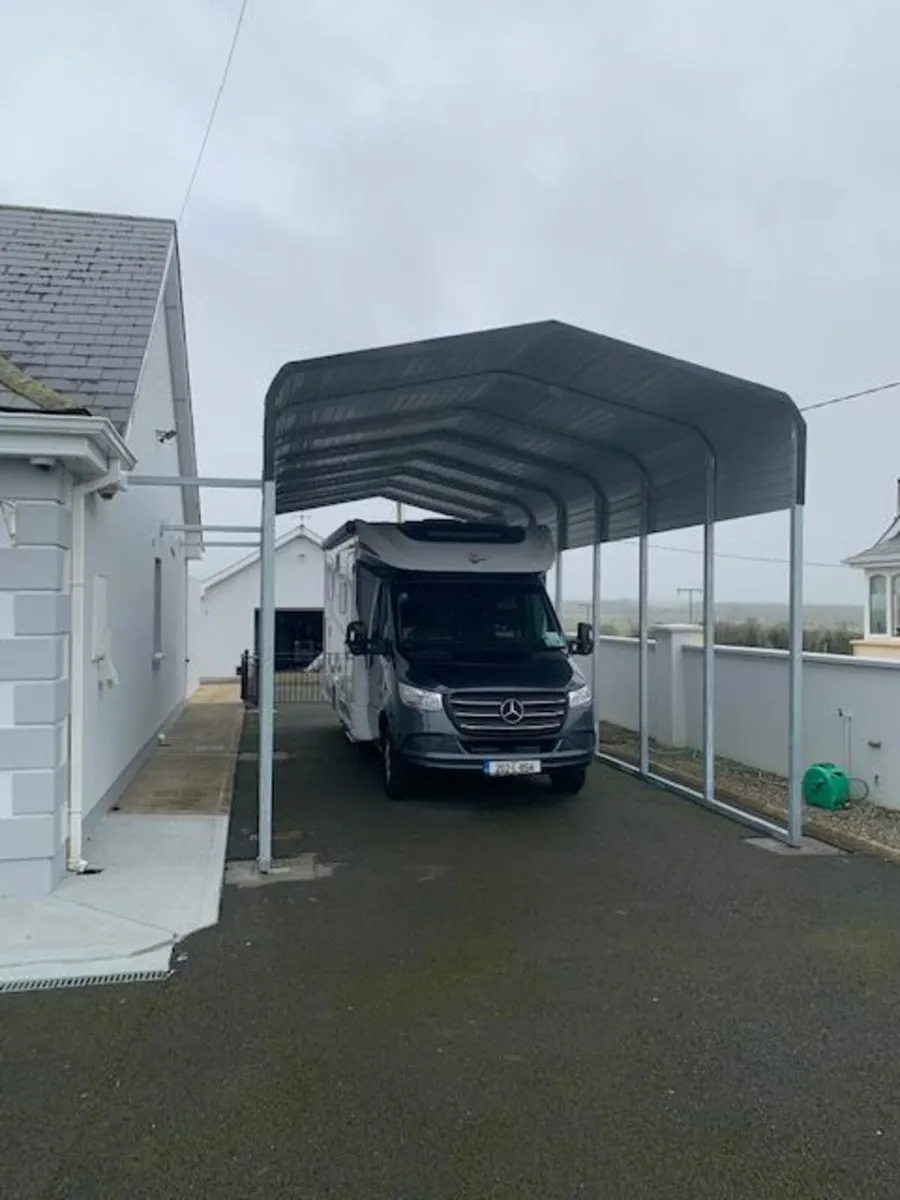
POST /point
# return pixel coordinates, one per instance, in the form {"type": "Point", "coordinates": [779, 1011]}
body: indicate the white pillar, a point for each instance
{"type": "Point", "coordinates": [669, 719]}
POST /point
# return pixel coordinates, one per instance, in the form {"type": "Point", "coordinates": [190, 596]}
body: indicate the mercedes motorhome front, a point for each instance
{"type": "Point", "coordinates": [442, 646]}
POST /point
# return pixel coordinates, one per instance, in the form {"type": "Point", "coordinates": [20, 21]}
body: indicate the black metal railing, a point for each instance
{"type": "Point", "coordinates": [297, 681]}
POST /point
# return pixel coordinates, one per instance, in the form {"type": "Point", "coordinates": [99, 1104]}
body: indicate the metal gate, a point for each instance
{"type": "Point", "coordinates": [296, 682]}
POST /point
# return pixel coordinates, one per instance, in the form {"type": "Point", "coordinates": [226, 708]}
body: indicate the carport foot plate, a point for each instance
{"type": "Point", "coordinates": [808, 847]}
{"type": "Point", "coordinates": [302, 869]}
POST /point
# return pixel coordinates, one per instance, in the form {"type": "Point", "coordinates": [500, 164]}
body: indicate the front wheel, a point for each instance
{"type": "Point", "coordinates": [568, 781]}
{"type": "Point", "coordinates": [397, 777]}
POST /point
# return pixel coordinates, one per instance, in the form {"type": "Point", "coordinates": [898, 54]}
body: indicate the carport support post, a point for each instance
{"type": "Point", "coordinates": [562, 536]}
{"type": "Point", "coordinates": [266, 675]}
{"type": "Point", "coordinates": [795, 700]}
{"type": "Point", "coordinates": [596, 580]}
{"type": "Point", "coordinates": [643, 649]}
{"type": "Point", "coordinates": [709, 634]}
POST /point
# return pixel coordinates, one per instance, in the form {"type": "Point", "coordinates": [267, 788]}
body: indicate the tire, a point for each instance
{"type": "Point", "coordinates": [397, 776]}
{"type": "Point", "coordinates": [568, 781]}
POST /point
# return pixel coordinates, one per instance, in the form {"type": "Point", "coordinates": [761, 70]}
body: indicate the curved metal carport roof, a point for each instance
{"type": "Point", "coordinates": [542, 422]}
{"type": "Point", "coordinates": [548, 423]}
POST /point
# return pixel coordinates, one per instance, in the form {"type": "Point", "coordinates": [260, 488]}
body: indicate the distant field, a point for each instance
{"type": "Point", "coordinates": [623, 614]}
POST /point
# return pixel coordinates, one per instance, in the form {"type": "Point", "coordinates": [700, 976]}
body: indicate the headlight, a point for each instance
{"type": "Point", "coordinates": [581, 697]}
{"type": "Point", "coordinates": [420, 700]}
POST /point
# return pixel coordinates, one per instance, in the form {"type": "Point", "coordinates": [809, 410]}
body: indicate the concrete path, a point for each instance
{"type": "Point", "coordinates": [495, 995]}
{"type": "Point", "coordinates": [156, 863]}
{"type": "Point", "coordinates": [193, 768]}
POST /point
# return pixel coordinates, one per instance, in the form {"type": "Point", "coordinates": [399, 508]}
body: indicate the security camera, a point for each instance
{"type": "Point", "coordinates": [108, 491]}
{"type": "Point", "coordinates": [42, 463]}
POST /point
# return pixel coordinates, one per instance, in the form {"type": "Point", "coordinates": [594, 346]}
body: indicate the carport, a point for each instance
{"type": "Point", "coordinates": [548, 423]}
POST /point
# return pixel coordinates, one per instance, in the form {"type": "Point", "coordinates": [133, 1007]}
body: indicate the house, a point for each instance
{"type": "Point", "coordinates": [226, 613]}
{"type": "Point", "coordinates": [93, 586]}
{"type": "Point", "coordinates": [881, 566]}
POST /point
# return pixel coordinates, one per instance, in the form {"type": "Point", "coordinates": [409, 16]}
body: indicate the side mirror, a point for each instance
{"type": "Point", "coordinates": [584, 639]}
{"type": "Point", "coordinates": [356, 641]}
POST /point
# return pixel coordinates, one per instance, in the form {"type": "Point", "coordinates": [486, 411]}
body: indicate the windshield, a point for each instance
{"type": "Point", "coordinates": [506, 614]}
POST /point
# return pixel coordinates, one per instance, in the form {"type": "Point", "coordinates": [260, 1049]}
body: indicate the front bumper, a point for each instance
{"type": "Point", "coordinates": [574, 746]}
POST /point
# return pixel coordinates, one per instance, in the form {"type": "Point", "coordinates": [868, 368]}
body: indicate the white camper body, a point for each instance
{"type": "Point", "coordinates": [440, 547]}
{"type": "Point", "coordinates": [345, 679]}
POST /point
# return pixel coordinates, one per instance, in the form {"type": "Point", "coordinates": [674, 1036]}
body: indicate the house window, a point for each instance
{"type": "Point", "coordinates": [878, 605]}
{"type": "Point", "coordinates": [157, 610]}
{"type": "Point", "coordinates": [895, 594]}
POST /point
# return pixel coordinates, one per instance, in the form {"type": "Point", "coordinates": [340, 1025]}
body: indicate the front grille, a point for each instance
{"type": "Point", "coordinates": [480, 714]}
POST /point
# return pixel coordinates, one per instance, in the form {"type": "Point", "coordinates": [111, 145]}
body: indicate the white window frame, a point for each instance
{"type": "Point", "coordinates": [884, 577]}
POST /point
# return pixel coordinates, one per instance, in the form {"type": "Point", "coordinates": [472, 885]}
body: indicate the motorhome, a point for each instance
{"type": "Point", "coordinates": [442, 648]}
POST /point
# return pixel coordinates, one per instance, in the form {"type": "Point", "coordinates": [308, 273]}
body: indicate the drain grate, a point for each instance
{"type": "Point", "coordinates": [47, 985]}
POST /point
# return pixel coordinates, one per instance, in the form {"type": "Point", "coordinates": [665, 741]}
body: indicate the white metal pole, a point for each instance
{"type": "Point", "coordinates": [643, 649]}
{"type": "Point", "coordinates": [266, 675]}
{"type": "Point", "coordinates": [558, 586]}
{"type": "Point", "coordinates": [709, 634]}
{"type": "Point", "coordinates": [595, 621]}
{"type": "Point", "coordinates": [795, 695]}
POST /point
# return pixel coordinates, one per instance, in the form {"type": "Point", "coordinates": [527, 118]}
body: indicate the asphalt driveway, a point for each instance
{"type": "Point", "coordinates": [496, 994]}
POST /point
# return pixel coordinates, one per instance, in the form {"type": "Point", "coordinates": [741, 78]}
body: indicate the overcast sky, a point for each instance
{"type": "Point", "coordinates": [716, 181]}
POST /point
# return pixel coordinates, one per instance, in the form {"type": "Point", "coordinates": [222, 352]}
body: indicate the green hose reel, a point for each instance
{"type": "Point", "coordinates": [826, 786]}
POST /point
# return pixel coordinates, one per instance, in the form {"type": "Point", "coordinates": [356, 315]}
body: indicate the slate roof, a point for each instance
{"type": "Point", "coordinates": [885, 550]}
{"type": "Point", "coordinates": [78, 293]}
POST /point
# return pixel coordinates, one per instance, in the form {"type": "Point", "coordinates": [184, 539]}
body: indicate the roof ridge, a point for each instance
{"type": "Point", "coordinates": [85, 212]}
{"type": "Point", "coordinates": [32, 389]}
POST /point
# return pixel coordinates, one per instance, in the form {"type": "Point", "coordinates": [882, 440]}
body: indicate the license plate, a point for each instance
{"type": "Point", "coordinates": [513, 766]}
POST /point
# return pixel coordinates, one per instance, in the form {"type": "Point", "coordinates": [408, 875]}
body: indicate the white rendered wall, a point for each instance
{"type": "Point", "coordinates": [123, 539]}
{"type": "Point", "coordinates": [222, 622]}
{"type": "Point", "coordinates": [751, 706]}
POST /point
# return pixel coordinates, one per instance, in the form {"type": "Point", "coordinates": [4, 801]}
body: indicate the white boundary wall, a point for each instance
{"type": "Point", "coordinates": [751, 704]}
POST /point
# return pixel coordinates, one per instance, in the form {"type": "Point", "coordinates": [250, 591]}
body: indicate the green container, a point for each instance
{"type": "Point", "coordinates": [826, 786]}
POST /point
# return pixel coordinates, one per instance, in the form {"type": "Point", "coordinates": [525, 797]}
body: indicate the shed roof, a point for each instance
{"type": "Point", "coordinates": [78, 295]}
{"type": "Point", "coordinates": [532, 421]}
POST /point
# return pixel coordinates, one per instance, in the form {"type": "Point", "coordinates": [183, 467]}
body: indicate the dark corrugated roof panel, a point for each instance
{"type": "Point", "coordinates": [543, 421]}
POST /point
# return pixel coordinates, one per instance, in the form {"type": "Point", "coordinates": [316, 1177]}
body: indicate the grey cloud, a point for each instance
{"type": "Point", "coordinates": [719, 183]}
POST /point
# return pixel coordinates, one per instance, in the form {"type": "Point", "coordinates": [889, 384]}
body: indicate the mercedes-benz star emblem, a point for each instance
{"type": "Point", "coordinates": [512, 711]}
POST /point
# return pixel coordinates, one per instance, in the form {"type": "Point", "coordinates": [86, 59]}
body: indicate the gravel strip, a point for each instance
{"type": "Point", "coordinates": [863, 825]}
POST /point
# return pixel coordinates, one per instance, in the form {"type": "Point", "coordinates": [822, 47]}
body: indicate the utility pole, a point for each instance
{"type": "Point", "coordinates": [690, 593]}
{"type": "Point", "coordinates": [398, 512]}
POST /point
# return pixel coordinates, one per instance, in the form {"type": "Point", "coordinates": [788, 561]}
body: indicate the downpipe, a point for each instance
{"type": "Point", "coordinates": [108, 485]}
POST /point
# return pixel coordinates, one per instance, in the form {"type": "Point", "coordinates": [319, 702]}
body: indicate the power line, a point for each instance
{"type": "Point", "coordinates": [213, 110]}
{"type": "Point", "coordinates": [754, 558]}
{"type": "Point", "coordinates": [882, 387]}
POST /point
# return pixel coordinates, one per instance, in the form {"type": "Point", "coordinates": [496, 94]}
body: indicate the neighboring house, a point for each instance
{"type": "Point", "coordinates": [93, 593]}
{"type": "Point", "coordinates": [881, 565]}
{"type": "Point", "coordinates": [227, 607]}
